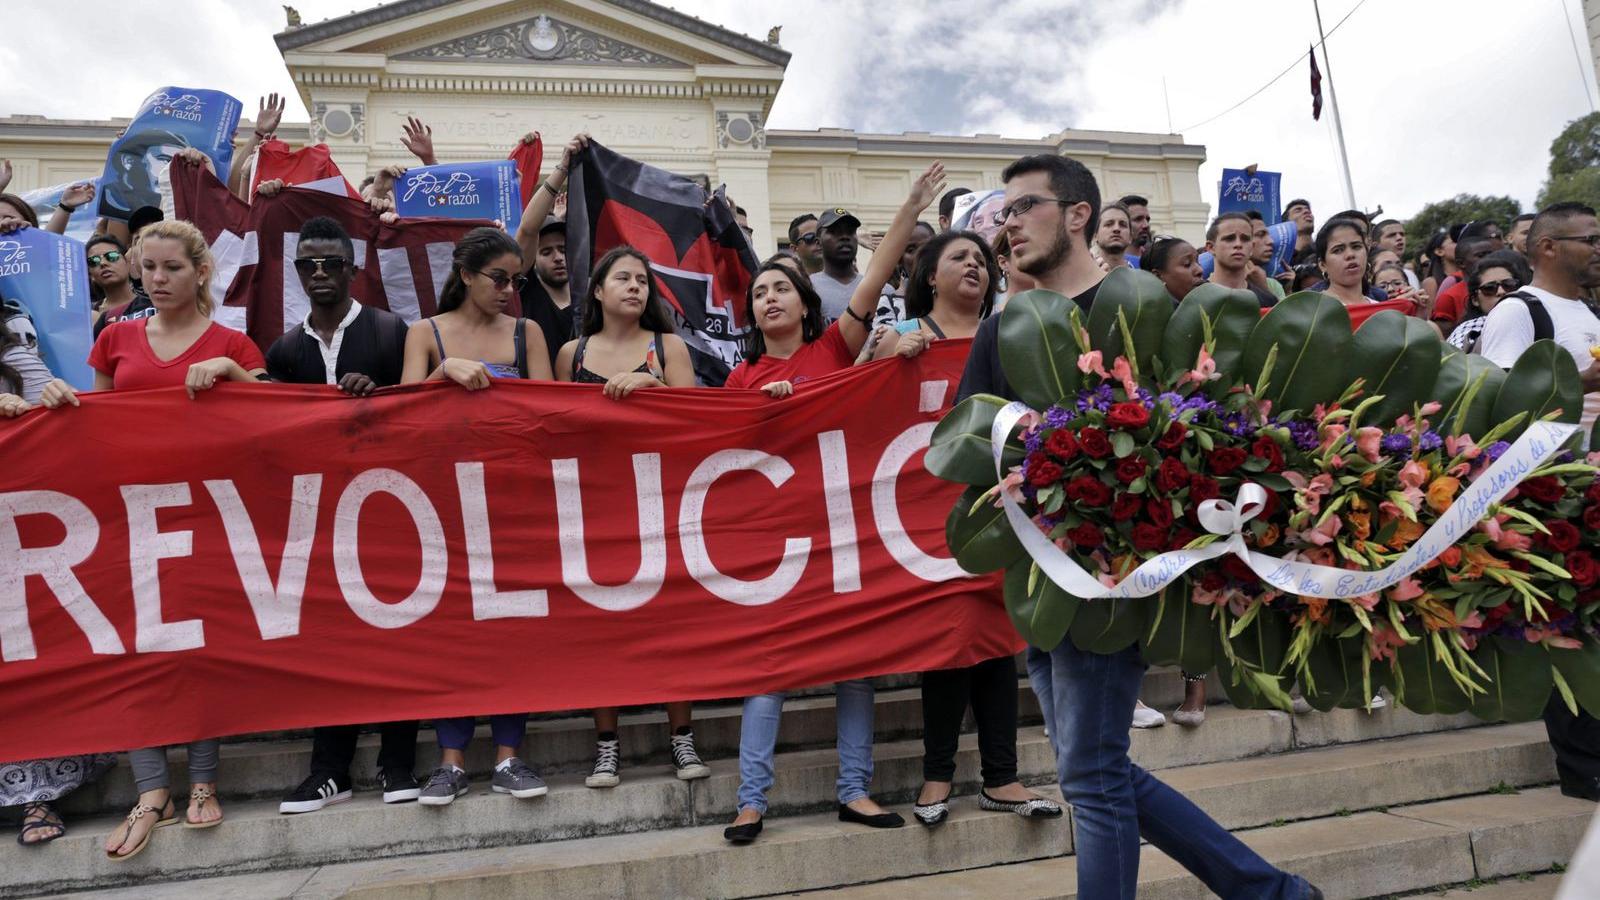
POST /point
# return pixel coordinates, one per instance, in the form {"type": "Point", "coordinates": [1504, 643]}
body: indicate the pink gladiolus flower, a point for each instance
{"type": "Point", "coordinates": [1296, 480]}
{"type": "Point", "coordinates": [1367, 440]}
{"type": "Point", "coordinates": [1323, 534]}
{"type": "Point", "coordinates": [1565, 643]}
{"type": "Point", "coordinates": [1205, 370]}
{"type": "Point", "coordinates": [1413, 474]}
{"type": "Point", "coordinates": [1012, 485]}
{"type": "Point", "coordinates": [1123, 372]}
{"type": "Point", "coordinates": [1473, 620]}
{"type": "Point", "coordinates": [1461, 446]}
{"type": "Point", "coordinates": [1331, 434]}
{"type": "Point", "coordinates": [1431, 407]}
{"type": "Point", "coordinates": [1092, 362]}
{"type": "Point", "coordinates": [1407, 589]}
{"type": "Point", "coordinates": [1368, 602]}
{"type": "Point", "coordinates": [1208, 598]}
{"type": "Point", "coordinates": [1403, 423]}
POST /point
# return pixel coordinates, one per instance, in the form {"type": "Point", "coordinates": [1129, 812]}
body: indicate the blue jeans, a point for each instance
{"type": "Point", "coordinates": [758, 741]}
{"type": "Point", "coordinates": [508, 730]}
{"type": "Point", "coordinates": [1043, 684]}
{"type": "Point", "coordinates": [1114, 801]}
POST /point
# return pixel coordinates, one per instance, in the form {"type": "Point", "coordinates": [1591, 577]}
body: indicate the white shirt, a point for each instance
{"type": "Point", "coordinates": [1508, 330]}
{"type": "Point", "coordinates": [330, 352]}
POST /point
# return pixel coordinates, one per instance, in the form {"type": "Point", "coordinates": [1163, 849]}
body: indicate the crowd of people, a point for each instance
{"type": "Point", "coordinates": [812, 310]}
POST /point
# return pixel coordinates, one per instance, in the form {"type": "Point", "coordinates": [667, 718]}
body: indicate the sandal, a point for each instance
{"type": "Point", "coordinates": [43, 815]}
{"type": "Point", "coordinates": [167, 815]}
{"type": "Point", "coordinates": [199, 796]}
{"type": "Point", "coordinates": [1032, 808]}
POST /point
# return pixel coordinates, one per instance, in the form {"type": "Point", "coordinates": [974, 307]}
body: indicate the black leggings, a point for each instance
{"type": "Point", "coordinates": [1576, 740]}
{"type": "Point", "coordinates": [991, 688]}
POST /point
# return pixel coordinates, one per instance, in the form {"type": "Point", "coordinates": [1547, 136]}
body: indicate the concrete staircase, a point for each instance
{"type": "Point", "coordinates": [1362, 804]}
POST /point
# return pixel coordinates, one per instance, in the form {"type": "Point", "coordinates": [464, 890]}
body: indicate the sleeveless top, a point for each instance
{"type": "Point", "coordinates": [518, 368]}
{"type": "Point", "coordinates": [909, 325]}
{"type": "Point", "coordinates": [654, 362]}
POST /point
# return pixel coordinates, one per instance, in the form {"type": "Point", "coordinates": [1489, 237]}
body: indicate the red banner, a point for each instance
{"type": "Point", "coordinates": [276, 556]}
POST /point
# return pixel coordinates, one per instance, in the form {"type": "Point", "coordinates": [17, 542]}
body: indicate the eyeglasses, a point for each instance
{"type": "Point", "coordinates": [808, 239]}
{"type": "Point", "coordinates": [108, 256]}
{"type": "Point", "coordinates": [1593, 240]}
{"type": "Point", "coordinates": [1490, 288]}
{"type": "Point", "coordinates": [1021, 205]}
{"type": "Point", "coordinates": [501, 279]}
{"type": "Point", "coordinates": [333, 266]}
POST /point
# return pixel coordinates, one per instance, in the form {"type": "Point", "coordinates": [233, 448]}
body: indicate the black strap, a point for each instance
{"type": "Point", "coordinates": [438, 340]}
{"type": "Point", "coordinates": [933, 327]}
{"type": "Point", "coordinates": [661, 356]}
{"type": "Point", "coordinates": [519, 348]}
{"type": "Point", "coordinates": [1543, 328]}
{"type": "Point", "coordinates": [577, 355]}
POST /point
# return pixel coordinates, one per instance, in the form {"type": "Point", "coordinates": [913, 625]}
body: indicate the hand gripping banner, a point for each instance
{"type": "Point", "coordinates": [268, 557]}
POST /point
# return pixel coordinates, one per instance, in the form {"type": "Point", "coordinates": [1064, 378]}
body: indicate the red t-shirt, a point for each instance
{"type": "Point", "coordinates": [828, 353]}
{"type": "Point", "coordinates": [1452, 303]}
{"type": "Point", "coordinates": [123, 352]}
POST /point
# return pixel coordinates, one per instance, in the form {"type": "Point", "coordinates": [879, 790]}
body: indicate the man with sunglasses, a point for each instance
{"type": "Point", "coordinates": [1051, 206]}
{"type": "Point", "coordinates": [806, 242]}
{"type": "Point", "coordinates": [110, 272]}
{"type": "Point", "coordinates": [836, 283]}
{"type": "Point", "coordinates": [1478, 239]}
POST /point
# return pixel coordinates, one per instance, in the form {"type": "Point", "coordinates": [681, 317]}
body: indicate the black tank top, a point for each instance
{"type": "Point", "coordinates": [654, 362]}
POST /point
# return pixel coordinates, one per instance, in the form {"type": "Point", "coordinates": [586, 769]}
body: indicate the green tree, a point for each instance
{"type": "Point", "coordinates": [1577, 148]}
{"type": "Point", "coordinates": [1460, 208]}
{"type": "Point", "coordinates": [1583, 187]}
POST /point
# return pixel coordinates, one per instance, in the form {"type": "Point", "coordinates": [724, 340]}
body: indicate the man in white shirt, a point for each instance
{"type": "Point", "coordinates": [1564, 248]}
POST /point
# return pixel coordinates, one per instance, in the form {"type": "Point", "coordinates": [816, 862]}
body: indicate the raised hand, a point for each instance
{"type": "Point", "coordinates": [77, 195]}
{"type": "Point", "coordinates": [927, 188]}
{"type": "Point", "coordinates": [418, 138]}
{"type": "Point", "coordinates": [5, 173]}
{"type": "Point", "coordinates": [269, 187]}
{"type": "Point", "coordinates": [269, 115]}
{"type": "Point", "coordinates": [193, 157]}
{"type": "Point", "coordinates": [578, 144]}
{"type": "Point", "coordinates": [559, 209]}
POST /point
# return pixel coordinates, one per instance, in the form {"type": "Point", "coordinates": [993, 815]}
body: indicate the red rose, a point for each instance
{"type": "Point", "coordinates": [1213, 581]}
{"type": "Point", "coordinates": [1094, 442]}
{"type": "Point", "coordinates": [1587, 598]}
{"type": "Point", "coordinates": [1226, 459]}
{"type": "Point", "coordinates": [1128, 416]}
{"type": "Point", "coordinates": [1266, 448]}
{"type": "Point", "coordinates": [1061, 444]}
{"type": "Point", "coordinates": [1544, 489]}
{"type": "Point", "coordinates": [1086, 535]}
{"type": "Point", "coordinates": [1044, 474]}
{"type": "Point", "coordinates": [1585, 571]}
{"type": "Point", "coordinates": [1593, 493]}
{"type": "Point", "coordinates": [1269, 506]}
{"type": "Point", "coordinates": [1591, 516]}
{"type": "Point", "coordinates": [1171, 475]}
{"type": "Point", "coordinates": [1159, 512]}
{"type": "Point", "coordinates": [1238, 570]}
{"type": "Point", "coordinates": [1181, 537]}
{"type": "Point", "coordinates": [1174, 437]}
{"type": "Point", "coordinates": [1202, 489]}
{"type": "Point", "coordinates": [1131, 469]}
{"type": "Point", "coordinates": [1088, 489]}
{"type": "Point", "coordinates": [1149, 537]}
{"type": "Point", "coordinates": [1562, 538]}
{"type": "Point", "coordinates": [1126, 507]}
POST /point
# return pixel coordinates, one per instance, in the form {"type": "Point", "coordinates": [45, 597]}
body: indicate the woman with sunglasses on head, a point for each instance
{"type": "Point", "coordinates": [1490, 279]}
{"type": "Point", "coordinates": [786, 346]}
{"type": "Point", "coordinates": [1175, 262]}
{"type": "Point", "coordinates": [471, 340]}
{"type": "Point", "coordinates": [626, 343]}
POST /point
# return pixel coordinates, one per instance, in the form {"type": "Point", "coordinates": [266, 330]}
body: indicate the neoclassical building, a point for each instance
{"type": "Point", "coordinates": [646, 80]}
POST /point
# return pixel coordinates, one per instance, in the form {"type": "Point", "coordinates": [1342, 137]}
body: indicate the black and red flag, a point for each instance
{"type": "Point", "coordinates": [702, 261]}
{"type": "Point", "coordinates": [1316, 86]}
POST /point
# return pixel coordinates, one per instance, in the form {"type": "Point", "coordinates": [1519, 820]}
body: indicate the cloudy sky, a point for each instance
{"type": "Point", "coordinates": [1438, 96]}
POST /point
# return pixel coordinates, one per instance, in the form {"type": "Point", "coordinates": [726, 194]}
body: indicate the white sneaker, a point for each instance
{"type": "Point", "coordinates": [1145, 717]}
{"type": "Point", "coordinates": [1378, 702]}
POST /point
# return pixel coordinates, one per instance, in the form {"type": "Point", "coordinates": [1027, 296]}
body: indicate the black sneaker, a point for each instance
{"type": "Point", "coordinates": [399, 785]}
{"type": "Point", "coordinates": [315, 792]}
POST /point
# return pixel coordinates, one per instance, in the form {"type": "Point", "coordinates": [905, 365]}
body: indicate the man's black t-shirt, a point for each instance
{"type": "Point", "coordinates": [983, 374]}
{"type": "Point", "coordinates": [556, 323]}
{"type": "Point", "coordinates": [139, 307]}
{"type": "Point", "coordinates": [373, 345]}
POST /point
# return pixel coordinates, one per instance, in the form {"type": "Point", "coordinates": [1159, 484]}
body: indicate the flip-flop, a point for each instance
{"type": "Point", "coordinates": [50, 819]}
{"type": "Point", "coordinates": [167, 815]}
{"type": "Point", "coordinates": [199, 796]}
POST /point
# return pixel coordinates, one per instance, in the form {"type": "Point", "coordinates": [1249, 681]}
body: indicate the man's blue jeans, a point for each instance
{"type": "Point", "coordinates": [1114, 801]}
{"type": "Point", "coordinates": [758, 740]}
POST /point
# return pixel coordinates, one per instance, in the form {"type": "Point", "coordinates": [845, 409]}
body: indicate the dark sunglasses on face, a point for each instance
{"type": "Point", "coordinates": [1490, 288]}
{"type": "Point", "coordinates": [808, 239]}
{"type": "Point", "coordinates": [108, 256]}
{"type": "Point", "coordinates": [501, 279]}
{"type": "Point", "coordinates": [332, 265]}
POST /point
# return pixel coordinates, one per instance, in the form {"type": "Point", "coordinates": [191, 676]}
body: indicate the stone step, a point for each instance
{"type": "Point", "coordinates": [566, 834]}
{"type": "Point", "coordinates": [1516, 887]}
{"type": "Point", "coordinates": [273, 766]}
{"type": "Point", "coordinates": [1373, 854]}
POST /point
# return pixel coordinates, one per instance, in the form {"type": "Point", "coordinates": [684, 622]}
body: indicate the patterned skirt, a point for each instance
{"type": "Point", "coordinates": [44, 780]}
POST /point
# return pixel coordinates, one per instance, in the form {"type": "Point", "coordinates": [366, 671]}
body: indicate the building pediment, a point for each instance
{"type": "Point", "coordinates": [543, 38]}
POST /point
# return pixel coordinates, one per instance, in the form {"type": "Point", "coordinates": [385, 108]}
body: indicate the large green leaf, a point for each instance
{"type": "Point", "coordinates": [1427, 686]}
{"type": "Point", "coordinates": [1543, 380]}
{"type": "Point", "coordinates": [1581, 670]}
{"type": "Point", "coordinates": [1233, 314]}
{"type": "Point", "coordinates": [1180, 632]}
{"type": "Point", "coordinates": [1456, 375]}
{"type": "Point", "coordinates": [981, 540]}
{"type": "Point", "coordinates": [1144, 303]}
{"type": "Point", "coordinates": [1519, 681]}
{"type": "Point", "coordinates": [960, 450]}
{"type": "Point", "coordinates": [1106, 626]}
{"type": "Point", "coordinates": [1241, 690]}
{"type": "Point", "coordinates": [1335, 669]}
{"type": "Point", "coordinates": [1399, 357]}
{"type": "Point", "coordinates": [1042, 615]}
{"type": "Point", "coordinates": [1311, 332]}
{"type": "Point", "coordinates": [1038, 352]}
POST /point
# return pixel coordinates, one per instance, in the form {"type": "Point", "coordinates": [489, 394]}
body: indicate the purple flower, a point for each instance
{"type": "Point", "coordinates": [1494, 450]}
{"type": "Point", "coordinates": [1396, 445]}
{"type": "Point", "coordinates": [1431, 441]}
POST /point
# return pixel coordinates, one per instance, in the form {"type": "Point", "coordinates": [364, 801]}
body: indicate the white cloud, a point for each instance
{"type": "Point", "coordinates": [1437, 98]}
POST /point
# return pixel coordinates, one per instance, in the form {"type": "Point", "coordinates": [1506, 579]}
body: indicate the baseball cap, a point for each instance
{"type": "Point", "coordinates": [144, 215]}
{"type": "Point", "coordinates": [836, 215]}
{"type": "Point", "coordinates": [551, 223]}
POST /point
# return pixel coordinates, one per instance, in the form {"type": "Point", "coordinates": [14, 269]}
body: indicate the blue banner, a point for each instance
{"type": "Point", "coordinates": [44, 200]}
{"type": "Point", "coordinates": [477, 190]}
{"type": "Point", "coordinates": [170, 120]}
{"type": "Point", "coordinates": [1241, 191]}
{"type": "Point", "coordinates": [45, 275]}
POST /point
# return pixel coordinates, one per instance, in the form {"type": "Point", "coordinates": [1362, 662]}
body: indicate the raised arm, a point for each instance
{"type": "Point", "coordinates": [853, 324]}
{"type": "Point", "coordinates": [268, 115]}
{"type": "Point", "coordinates": [418, 138]}
{"type": "Point", "coordinates": [72, 198]}
{"type": "Point", "coordinates": [544, 199]}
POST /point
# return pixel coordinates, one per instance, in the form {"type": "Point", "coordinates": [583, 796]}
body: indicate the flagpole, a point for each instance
{"type": "Point", "coordinates": [1333, 101]}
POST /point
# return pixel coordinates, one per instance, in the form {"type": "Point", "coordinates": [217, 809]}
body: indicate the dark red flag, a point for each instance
{"type": "Point", "coordinates": [702, 262]}
{"type": "Point", "coordinates": [1316, 86]}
